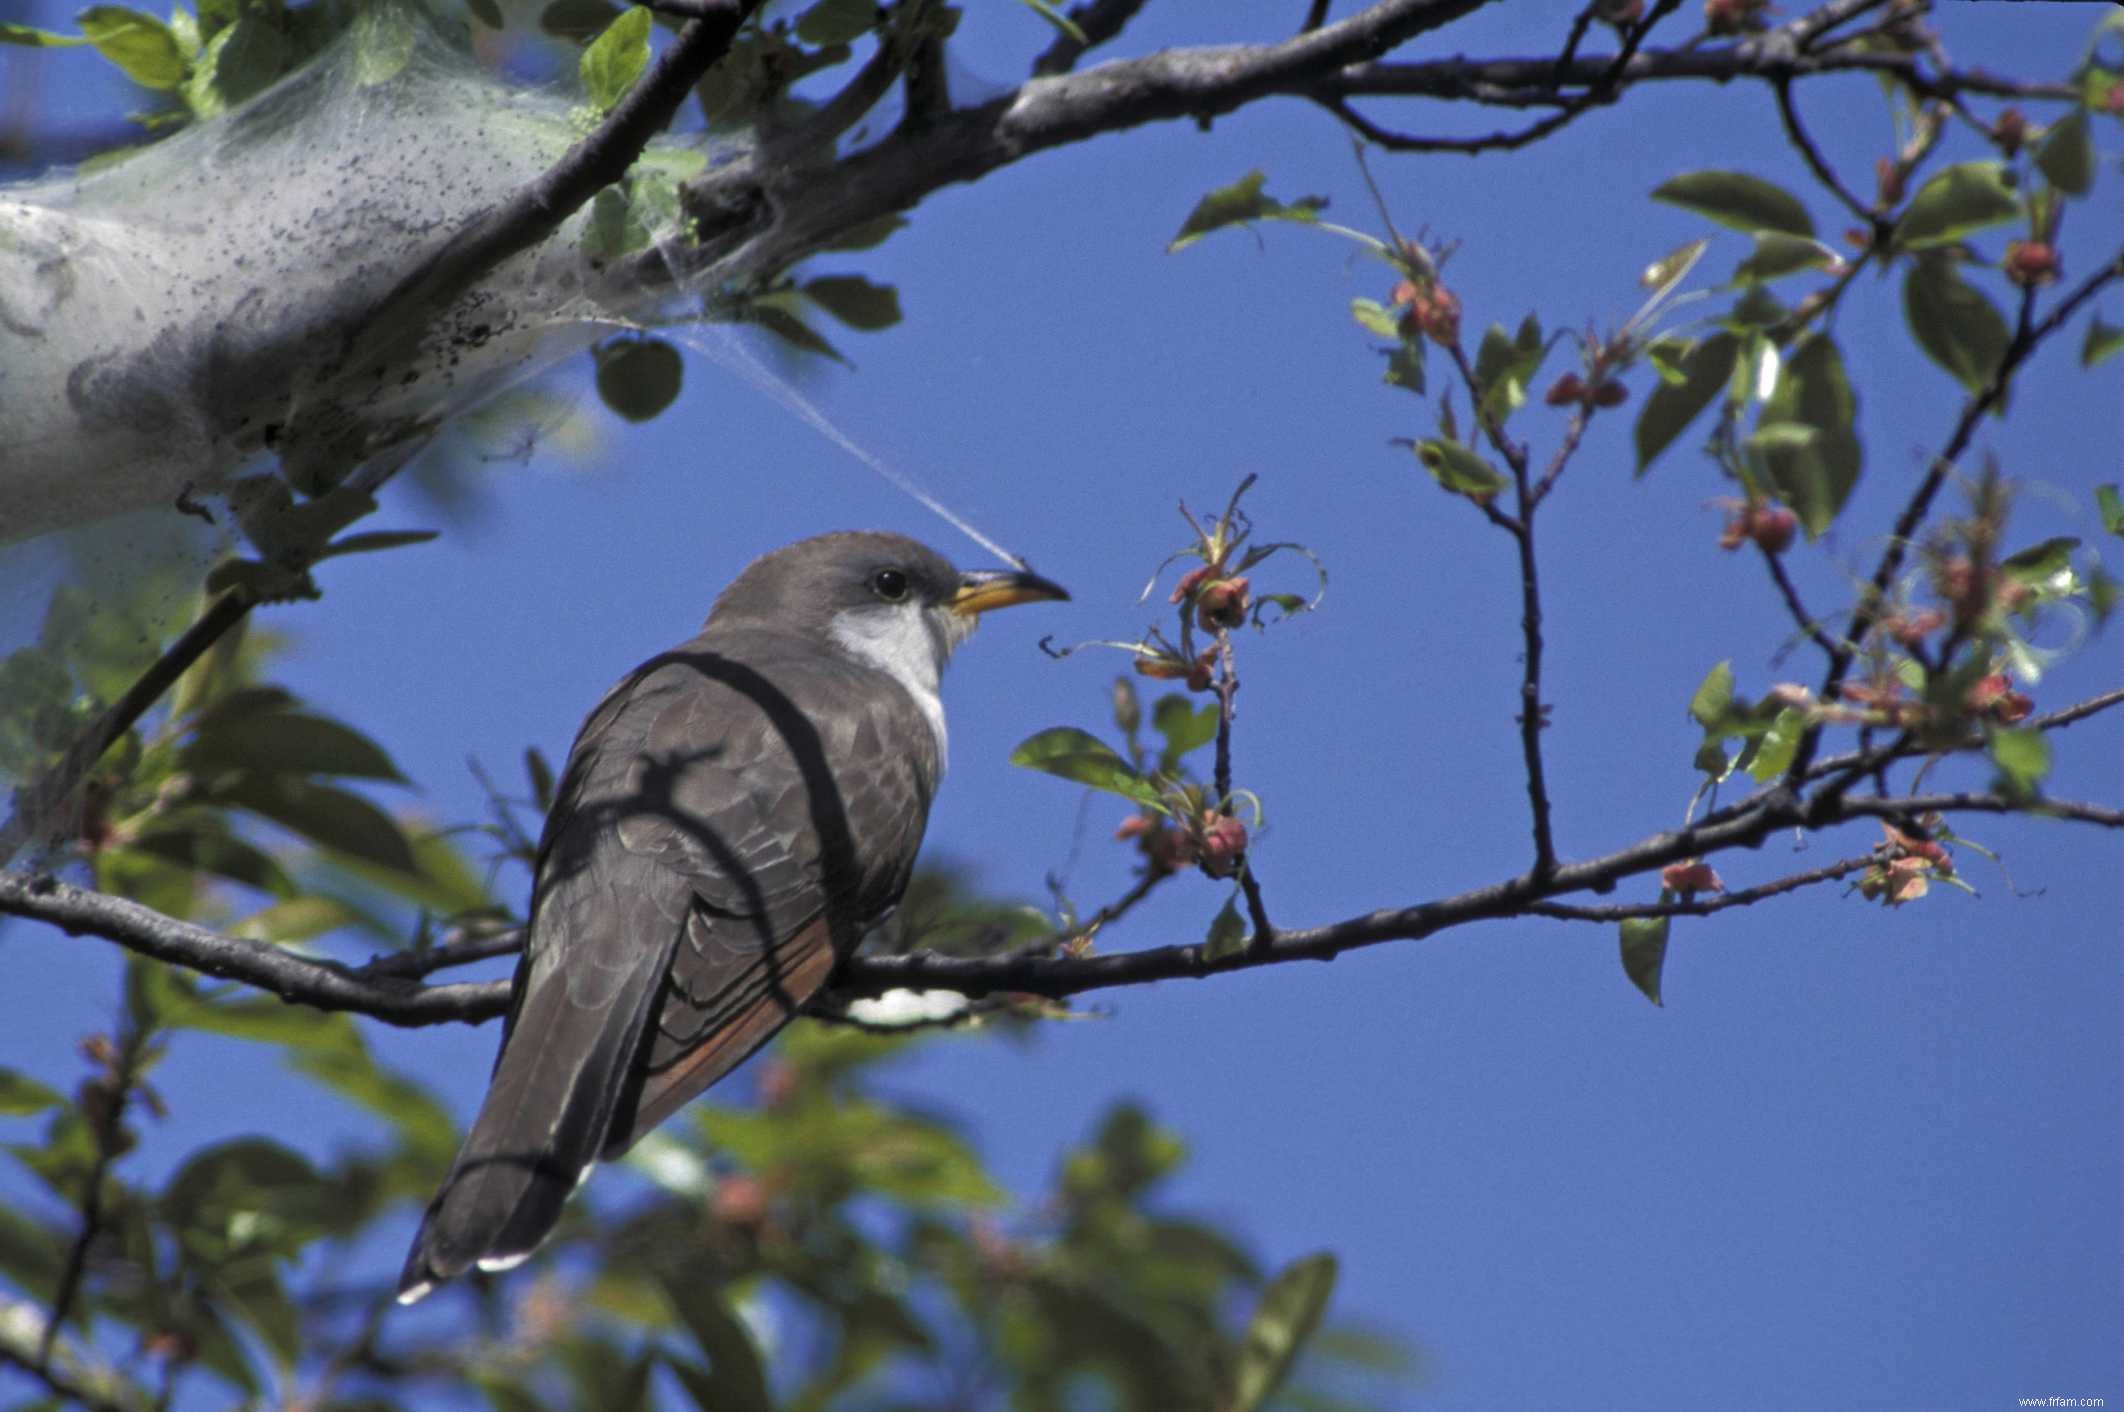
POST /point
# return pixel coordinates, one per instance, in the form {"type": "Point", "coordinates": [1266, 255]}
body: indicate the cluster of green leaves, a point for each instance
{"type": "Point", "coordinates": [229, 51]}
{"type": "Point", "coordinates": [863, 1250]}
{"type": "Point", "coordinates": [195, 1270]}
{"type": "Point", "coordinates": [1802, 449]}
{"type": "Point", "coordinates": [177, 802]}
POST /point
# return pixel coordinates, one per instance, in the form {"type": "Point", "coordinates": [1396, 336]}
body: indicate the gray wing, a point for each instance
{"type": "Point", "coordinates": [697, 881]}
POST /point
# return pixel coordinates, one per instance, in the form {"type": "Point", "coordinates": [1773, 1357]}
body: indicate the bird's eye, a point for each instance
{"type": "Point", "coordinates": [889, 584]}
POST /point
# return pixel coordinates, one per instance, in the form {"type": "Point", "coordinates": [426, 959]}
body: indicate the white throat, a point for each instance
{"type": "Point", "coordinates": [910, 644]}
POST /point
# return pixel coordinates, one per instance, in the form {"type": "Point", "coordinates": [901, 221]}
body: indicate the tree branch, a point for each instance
{"type": "Point", "coordinates": [1625, 911]}
{"type": "Point", "coordinates": [2028, 336]}
{"type": "Point", "coordinates": [399, 1001]}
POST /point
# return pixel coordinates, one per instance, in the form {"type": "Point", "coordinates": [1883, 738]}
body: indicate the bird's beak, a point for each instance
{"type": "Point", "coordinates": [982, 589]}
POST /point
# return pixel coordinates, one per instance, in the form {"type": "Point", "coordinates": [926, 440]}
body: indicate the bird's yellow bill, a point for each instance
{"type": "Point", "coordinates": [983, 589]}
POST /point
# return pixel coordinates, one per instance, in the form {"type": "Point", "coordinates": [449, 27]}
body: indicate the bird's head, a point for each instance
{"type": "Point", "coordinates": [895, 603]}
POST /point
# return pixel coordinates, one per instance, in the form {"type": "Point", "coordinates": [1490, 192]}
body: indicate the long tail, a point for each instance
{"type": "Point", "coordinates": [568, 1058]}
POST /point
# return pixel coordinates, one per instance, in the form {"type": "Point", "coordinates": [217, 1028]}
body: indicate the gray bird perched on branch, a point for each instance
{"type": "Point", "coordinates": [734, 816]}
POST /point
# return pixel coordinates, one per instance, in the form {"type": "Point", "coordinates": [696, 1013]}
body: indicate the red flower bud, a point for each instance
{"type": "Point", "coordinates": [1565, 390]}
{"type": "Point", "coordinates": [1888, 177]}
{"type": "Point", "coordinates": [1202, 675]}
{"type": "Point", "coordinates": [1190, 581]}
{"type": "Point", "coordinates": [1222, 604]}
{"type": "Point", "coordinates": [1223, 844]}
{"type": "Point", "coordinates": [2031, 262]}
{"type": "Point", "coordinates": [1773, 528]}
{"type": "Point", "coordinates": [1691, 875]}
{"type": "Point", "coordinates": [1610, 394]}
{"type": "Point", "coordinates": [2011, 130]}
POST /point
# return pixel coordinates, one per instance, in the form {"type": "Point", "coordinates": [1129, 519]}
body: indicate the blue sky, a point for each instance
{"type": "Point", "coordinates": [1861, 1158]}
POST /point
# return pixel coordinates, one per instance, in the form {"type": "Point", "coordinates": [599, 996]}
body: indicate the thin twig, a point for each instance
{"type": "Point", "coordinates": [1796, 132]}
{"type": "Point", "coordinates": [1533, 716]}
{"type": "Point", "coordinates": [106, 1125]}
{"type": "Point", "coordinates": [1806, 621]}
{"type": "Point", "coordinates": [1719, 902]}
{"type": "Point", "coordinates": [1602, 90]}
{"type": "Point", "coordinates": [44, 799]}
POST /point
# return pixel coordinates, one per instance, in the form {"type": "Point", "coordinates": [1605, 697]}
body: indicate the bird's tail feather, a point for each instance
{"type": "Point", "coordinates": [563, 1069]}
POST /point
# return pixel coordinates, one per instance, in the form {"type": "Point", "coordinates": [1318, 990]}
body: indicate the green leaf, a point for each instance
{"type": "Point", "coordinates": [1227, 933]}
{"type": "Point", "coordinates": [777, 320]}
{"type": "Point", "coordinates": [1049, 11]}
{"type": "Point", "coordinates": [2103, 342]}
{"type": "Point", "coordinates": [2023, 758]}
{"type": "Point", "coordinates": [1738, 200]}
{"type": "Point", "coordinates": [638, 376]}
{"type": "Point", "coordinates": [384, 40]}
{"type": "Point", "coordinates": [238, 736]}
{"type": "Point", "coordinates": [1816, 477]}
{"type": "Point", "coordinates": [855, 301]}
{"type": "Point", "coordinates": [1644, 953]}
{"type": "Point", "coordinates": [578, 20]}
{"type": "Point", "coordinates": [1778, 254]}
{"type": "Point", "coordinates": [1185, 726]}
{"type": "Point", "coordinates": [2039, 563]}
{"type": "Point", "coordinates": [1286, 1317]}
{"type": "Point", "coordinates": [1506, 365]}
{"type": "Point", "coordinates": [21, 1094]}
{"type": "Point", "coordinates": [246, 1196]}
{"type": "Point", "coordinates": [1775, 748]}
{"type": "Point", "coordinates": [1962, 198]}
{"type": "Point", "coordinates": [486, 12]}
{"type": "Point", "coordinates": [200, 842]}
{"type": "Point", "coordinates": [615, 59]}
{"type": "Point", "coordinates": [296, 919]}
{"type": "Point", "coordinates": [1954, 323]}
{"type": "Point", "coordinates": [241, 61]}
{"type": "Point", "coordinates": [12, 33]}
{"type": "Point", "coordinates": [867, 236]}
{"type": "Point", "coordinates": [1713, 701]}
{"type": "Point", "coordinates": [1405, 366]}
{"type": "Point", "coordinates": [1705, 368]}
{"type": "Point", "coordinates": [2066, 155]}
{"type": "Point", "coordinates": [31, 1256]}
{"type": "Point", "coordinates": [140, 45]}
{"type": "Point", "coordinates": [1241, 202]}
{"type": "Point", "coordinates": [374, 540]}
{"type": "Point", "coordinates": [832, 22]}
{"type": "Point", "coordinates": [2111, 506]}
{"type": "Point", "coordinates": [331, 818]}
{"type": "Point", "coordinates": [735, 1380]}
{"type": "Point", "coordinates": [1077, 755]}
{"type": "Point", "coordinates": [1460, 470]}
{"type": "Point", "coordinates": [1375, 317]}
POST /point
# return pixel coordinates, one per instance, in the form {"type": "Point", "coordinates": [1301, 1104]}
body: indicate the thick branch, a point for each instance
{"type": "Point", "coordinates": [538, 209]}
{"type": "Point", "coordinates": [323, 984]}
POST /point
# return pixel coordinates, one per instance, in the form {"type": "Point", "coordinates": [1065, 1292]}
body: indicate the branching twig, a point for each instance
{"type": "Point", "coordinates": [1602, 90]}
{"type": "Point", "coordinates": [2028, 336]}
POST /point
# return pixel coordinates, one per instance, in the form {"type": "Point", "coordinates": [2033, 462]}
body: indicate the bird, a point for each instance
{"type": "Point", "coordinates": [734, 815]}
